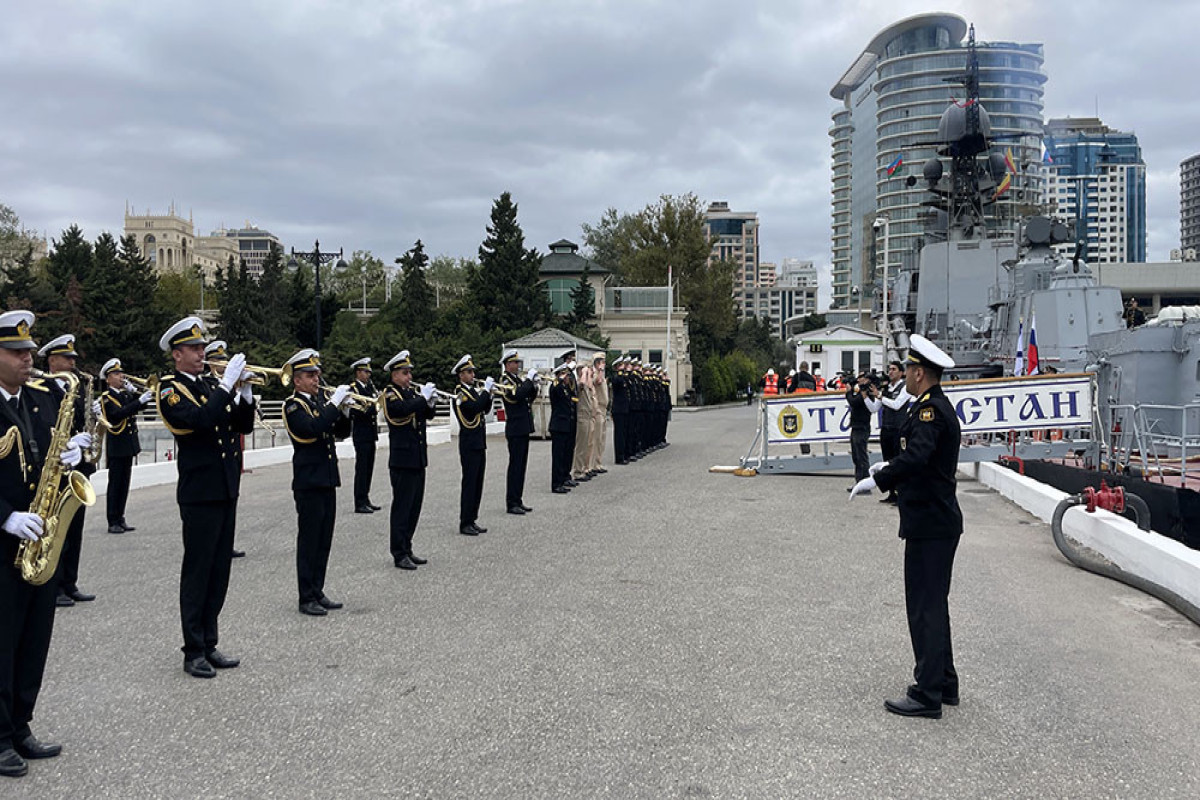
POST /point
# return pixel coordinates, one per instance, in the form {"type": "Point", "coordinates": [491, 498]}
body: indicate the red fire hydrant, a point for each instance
{"type": "Point", "coordinates": [1106, 497]}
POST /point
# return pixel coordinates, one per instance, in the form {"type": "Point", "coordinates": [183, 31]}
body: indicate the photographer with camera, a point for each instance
{"type": "Point", "coordinates": [863, 398]}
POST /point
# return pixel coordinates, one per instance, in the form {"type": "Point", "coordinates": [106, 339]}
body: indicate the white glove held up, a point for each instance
{"type": "Point", "coordinates": [427, 391]}
{"type": "Point", "coordinates": [339, 395]}
{"type": "Point", "coordinates": [81, 440]}
{"type": "Point", "coordinates": [532, 375]}
{"type": "Point", "coordinates": [488, 383]}
{"type": "Point", "coordinates": [146, 398]}
{"type": "Point", "coordinates": [24, 525]}
{"type": "Point", "coordinates": [233, 371]}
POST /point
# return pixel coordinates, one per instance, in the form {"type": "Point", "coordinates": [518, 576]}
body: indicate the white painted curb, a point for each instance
{"type": "Point", "coordinates": [1151, 556]}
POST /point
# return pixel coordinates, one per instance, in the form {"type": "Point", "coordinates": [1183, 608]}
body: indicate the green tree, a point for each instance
{"type": "Point", "coordinates": [610, 240]}
{"type": "Point", "coordinates": [178, 292]}
{"type": "Point", "coordinates": [505, 288]}
{"type": "Point", "coordinates": [22, 287]}
{"type": "Point", "coordinates": [123, 320]}
{"type": "Point", "coordinates": [448, 278]}
{"type": "Point", "coordinates": [583, 299]}
{"type": "Point", "coordinates": [416, 301]}
{"type": "Point", "coordinates": [273, 302]}
{"type": "Point", "coordinates": [68, 271]}
{"type": "Point", "coordinates": [356, 282]}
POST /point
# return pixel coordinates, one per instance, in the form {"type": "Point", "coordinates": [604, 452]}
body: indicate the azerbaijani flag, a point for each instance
{"type": "Point", "coordinates": [1031, 358]}
{"type": "Point", "coordinates": [895, 165]}
{"type": "Point", "coordinates": [1019, 365]}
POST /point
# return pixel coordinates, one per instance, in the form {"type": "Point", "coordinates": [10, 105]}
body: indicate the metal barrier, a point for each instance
{"type": "Point", "coordinates": [1163, 438]}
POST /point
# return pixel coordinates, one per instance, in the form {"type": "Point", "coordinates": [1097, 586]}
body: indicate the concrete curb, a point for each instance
{"type": "Point", "coordinates": [695, 409]}
{"type": "Point", "coordinates": [1150, 556]}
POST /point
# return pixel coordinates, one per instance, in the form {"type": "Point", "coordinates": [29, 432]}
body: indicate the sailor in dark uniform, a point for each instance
{"type": "Point", "coordinates": [406, 410]}
{"type": "Point", "coordinates": [314, 422]}
{"type": "Point", "coordinates": [28, 413]}
{"type": "Point", "coordinates": [119, 406]}
{"type": "Point", "coordinates": [471, 406]}
{"type": "Point", "coordinates": [60, 356]}
{"type": "Point", "coordinates": [923, 475]}
{"type": "Point", "coordinates": [517, 391]}
{"type": "Point", "coordinates": [214, 367]}
{"type": "Point", "coordinates": [562, 429]}
{"type": "Point", "coordinates": [208, 417]}
{"type": "Point", "coordinates": [620, 410]}
{"type": "Point", "coordinates": [365, 434]}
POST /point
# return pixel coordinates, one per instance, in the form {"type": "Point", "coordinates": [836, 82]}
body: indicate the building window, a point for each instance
{"type": "Point", "coordinates": [864, 360]}
{"type": "Point", "coordinates": [559, 290]}
{"type": "Point", "coordinates": [847, 361]}
{"type": "Point", "coordinates": [656, 357]}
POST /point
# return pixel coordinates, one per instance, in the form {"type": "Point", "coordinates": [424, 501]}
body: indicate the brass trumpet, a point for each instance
{"type": "Point", "coordinates": [358, 402]}
{"type": "Point", "coordinates": [260, 374]}
{"type": "Point", "coordinates": [146, 384]}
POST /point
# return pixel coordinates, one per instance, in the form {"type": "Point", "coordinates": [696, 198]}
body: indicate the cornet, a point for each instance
{"type": "Point", "coordinates": [146, 384]}
{"type": "Point", "coordinates": [259, 374]}
{"type": "Point", "coordinates": [358, 402]}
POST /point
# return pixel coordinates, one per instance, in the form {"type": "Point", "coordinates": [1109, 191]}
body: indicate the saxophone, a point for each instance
{"type": "Point", "coordinates": [93, 421]}
{"type": "Point", "coordinates": [54, 501]}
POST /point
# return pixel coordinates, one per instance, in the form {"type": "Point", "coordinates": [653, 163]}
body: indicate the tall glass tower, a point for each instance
{"type": "Point", "coordinates": [892, 97]}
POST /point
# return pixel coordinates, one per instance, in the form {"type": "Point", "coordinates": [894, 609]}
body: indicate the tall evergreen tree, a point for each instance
{"type": "Point", "coordinates": [67, 271]}
{"type": "Point", "coordinates": [505, 288]}
{"type": "Point", "coordinates": [583, 298]}
{"type": "Point", "coordinates": [416, 302]}
{"type": "Point", "coordinates": [21, 283]}
{"type": "Point", "coordinates": [275, 323]}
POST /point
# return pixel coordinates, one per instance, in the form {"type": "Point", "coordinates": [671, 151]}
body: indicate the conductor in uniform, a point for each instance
{"type": "Point", "coordinates": [923, 476]}
{"type": "Point", "coordinates": [406, 410]}
{"type": "Point", "coordinates": [208, 416]}
{"type": "Point", "coordinates": [119, 406]}
{"type": "Point", "coordinates": [27, 417]}
{"type": "Point", "coordinates": [364, 433]}
{"type": "Point", "coordinates": [314, 422]}
{"type": "Point", "coordinates": [471, 406]}
{"type": "Point", "coordinates": [60, 356]}
{"type": "Point", "coordinates": [517, 391]}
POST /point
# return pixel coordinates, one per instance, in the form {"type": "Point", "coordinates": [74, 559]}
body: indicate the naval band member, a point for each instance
{"type": "Point", "coordinates": [931, 523]}
{"type": "Point", "coordinates": [28, 414]}
{"type": "Point", "coordinates": [365, 434]}
{"type": "Point", "coordinates": [119, 406]}
{"type": "Point", "coordinates": [517, 392]}
{"type": "Point", "coordinates": [208, 416]}
{"type": "Point", "coordinates": [406, 410]}
{"type": "Point", "coordinates": [562, 429]}
{"type": "Point", "coordinates": [471, 406]}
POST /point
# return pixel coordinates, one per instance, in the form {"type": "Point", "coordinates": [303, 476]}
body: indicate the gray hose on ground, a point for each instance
{"type": "Point", "coordinates": [1086, 559]}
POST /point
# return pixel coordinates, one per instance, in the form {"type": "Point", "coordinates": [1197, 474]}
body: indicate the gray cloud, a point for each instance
{"type": "Point", "coordinates": [370, 124]}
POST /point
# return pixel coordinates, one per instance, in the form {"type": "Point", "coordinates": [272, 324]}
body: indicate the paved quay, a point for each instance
{"type": "Point", "coordinates": [659, 632]}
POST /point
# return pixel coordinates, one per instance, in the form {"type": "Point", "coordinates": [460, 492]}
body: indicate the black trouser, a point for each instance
{"type": "Point", "coordinates": [316, 510]}
{"type": "Point", "coordinates": [204, 577]}
{"type": "Point", "coordinates": [928, 564]}
{"type": "Point", "coordinates": [120, 470]}
{"type": "Point", "coordinates": [561, 451]}
{"type": "Point", "coordinates": [518, 460]}
{"type": "Point", "coordinates": [364, 467]}
{"type": "Point", "coordinates": [889, 443]}
{"type": "Point", "coordinates": [68, 565]}
{"type": "Point", "coordinates": [408, 495]}
{"type": "Point", "coordinates": [26, 624]}
{"type": "Point", "coordinates": [858, 452]}
{"type": "Point", "coordinates": [473, 464]}
{"type": "Point", "coordinates": [620, 431]}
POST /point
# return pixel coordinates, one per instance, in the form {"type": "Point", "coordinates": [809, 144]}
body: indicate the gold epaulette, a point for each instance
{"type": "Point", "coordinates": [37, 384]}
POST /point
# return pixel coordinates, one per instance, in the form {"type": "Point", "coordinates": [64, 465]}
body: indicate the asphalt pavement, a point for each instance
{"type": "Point", "coordinates": [659, 632]}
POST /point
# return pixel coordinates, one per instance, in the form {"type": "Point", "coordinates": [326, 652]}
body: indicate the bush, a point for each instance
{"type": "Point", "coordinates": [716, 382]}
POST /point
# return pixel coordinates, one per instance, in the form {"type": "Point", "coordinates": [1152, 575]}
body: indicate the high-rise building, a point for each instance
{"type": "Point", "coordinates": [1189, 204]}
{"type": "Point", "coordinates": [251, 244]}
{"type": "Point", "coordinates": [795, 272]}
{"type": "Point", "coordinates": [893, 95]}
{"type": "Point", "coordinates": [767, 274]}
{"type": "Point", "coordinates": [1096, 180]}
{"type": "Point", "coordinates": [734, 237]}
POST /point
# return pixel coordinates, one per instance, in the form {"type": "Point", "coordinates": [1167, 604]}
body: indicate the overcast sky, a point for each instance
{"type": "Point", "coordinates": [371, 124]}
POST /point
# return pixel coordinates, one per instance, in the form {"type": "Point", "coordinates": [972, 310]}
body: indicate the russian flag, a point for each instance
{"type": "Point", "coordinates": [1019, 365]}
{"type": "Point", "coordinates": [1031, 358]}
{"type": "Point", "coordinates": [1046, 157]}
{"type": "Point", "coordinates": [895, 165]}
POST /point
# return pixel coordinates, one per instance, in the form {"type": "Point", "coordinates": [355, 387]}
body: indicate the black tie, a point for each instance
{"type": "Point", "coordinates": [15, 404]}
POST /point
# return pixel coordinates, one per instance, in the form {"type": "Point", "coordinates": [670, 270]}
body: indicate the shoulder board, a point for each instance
{"type": "Point", "coordinates": [37, 384]}
{"type": "Point", "coordinates": [462, 391]}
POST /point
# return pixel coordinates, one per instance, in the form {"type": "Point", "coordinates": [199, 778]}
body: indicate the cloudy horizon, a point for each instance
{"type": "Point", "coordinates": [370, 125]}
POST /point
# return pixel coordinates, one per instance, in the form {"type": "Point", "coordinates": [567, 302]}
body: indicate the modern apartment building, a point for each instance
{"type": "Point", "coordinates": [735, 239]}
{"type": "Point", "coordinates": [1096, 180]}
{"type": "Point", "coordinates": [893, 95]}
{"type": "Point", "coordinates": [1189, 204]}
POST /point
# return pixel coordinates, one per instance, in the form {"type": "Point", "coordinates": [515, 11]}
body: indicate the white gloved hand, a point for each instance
{"type": "Point", "coordinates": [96, 407]}
{"type": "Point", "coordinates": [71, 456]}
{"type": "Point", "coordinates": [532, 375]}
{"type": "Point", "coordinates": [427, 391]}
{"type": "Point", "coordinates": [128, 387]}
{"type": "Point", "coordinates": [876, 467]}
{"type": "Point", "coordinates": [246, 393]}
{"type": "Point", "coordinates": [81, 440]}
{"type": "Point", "coordinates": [339, 395]}
{"type": "Point", "coordinates": [146, 398]}
{"type": "Point", "coordinates": [488, 383]}
{"type": "Point", "coordinates": [24, 525]}
{"type": "Point", "coordinates": [233, 371]}
{"type": "Point", "coordinates": [571, 366]}
{"type": "Point", "coordinates": [865, 486]}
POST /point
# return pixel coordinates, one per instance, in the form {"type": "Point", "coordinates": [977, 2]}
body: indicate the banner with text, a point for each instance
{"type": "Point", "coordinates": [986, 406]}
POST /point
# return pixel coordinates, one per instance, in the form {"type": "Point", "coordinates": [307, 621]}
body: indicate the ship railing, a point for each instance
{"type": "Point", "coordinates": [1160, 438]}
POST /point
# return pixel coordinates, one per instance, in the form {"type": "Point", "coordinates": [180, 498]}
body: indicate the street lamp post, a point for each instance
{"type": "Point", "coordinates": [316, 258]}
{"type": "Point", "coordinates": [884, 221]}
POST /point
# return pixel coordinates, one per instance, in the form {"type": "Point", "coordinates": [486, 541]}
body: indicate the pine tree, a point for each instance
{"type": "Point", "coordinates": [21, 282]}
{"type": "Point", "coordinates": [583, 299]}
{"type": "Point", "coordinates": [416, 302]}
{"type": "Point", "coordinates": [275, 324]}
{"type": "Point", "coordinates": [505, 288]}
{"type": "Point", "coordinates": [67, 271]}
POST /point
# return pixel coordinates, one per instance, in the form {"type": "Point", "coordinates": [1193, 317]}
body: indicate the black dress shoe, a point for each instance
{"type": "Point", "coordinates": [220, 660]}
{"type": "Point", "coordinates": [405, 563]}
{"type": "Point", "coordinates": [239, 554]}
{"type": "Point", "coordinates": [600, 470]}
{"type": "Point", "coordinates": [468, 530]}
{"type": "Point", "coordinates": [30, 747]}
{"type": "Point", "coordinates": [947, 699]}
{"type": "Point", "coordinates": [560, 490]}
{"type": "Point", "coordinates": [363, 510]}
{"type": "Point", "coordinates": [325, 602]}
{"type": "Point", "coordinates": [570, 484]}
{"type": "Point", "coordinates": [623, 463]}
{"type": "Point", "coordinates": [582, 478]}
{"type": "Point", "coordinates": [63, 601]}
{"type": "Point", "coordinates": [479, 528]}
{"type": "Point", "coordinates": [526, 509]}
{"type": "Point", "coordinates": [81, 597]}
{"type": "Point", "coordinates": [127, 527]}
{"type": "Point", "coordinates": [116, 528]}
{"type": "Point", "coordinates": [517, 510]}
{"type": "Point", "coordinates": [11, 764]}
{"type": "Point", "coordinates": [313, 609]}
{"type": "Point", "coordinates": [417, 560]}
{"type": "Point", "coordinates": [907, 707]}
{"type": "Point", "coordinates": [199, 668]}
{"type": "Point", "coordinates": [374, 507]}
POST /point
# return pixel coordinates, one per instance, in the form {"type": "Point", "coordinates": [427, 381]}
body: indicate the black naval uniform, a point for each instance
{"type": "Point", "coordinates": [120, 410]}
{"type": "Point", "coordinates": [314, 425]}
{"type": "Point", "coordinates": [860, 431]}
{"type": "Point", "coordinates": [563, 412]}
{"type": "Point", "coordinates": [471, 405]}
{"type": "Point", "coordinates": [620, 415]}
{"type": "Point", "coordinates": [923, 474]}
{"type": "Point", "coordinates": [208, 426]}
{"type": "Point", "coordinates": [365, 433]}
{"type": "Point", "coordinates": [890, 420]}
{"type": "Point", "coordinates": [68, 566]}
{"type": "Point", "coordinates": [517, 395]}
{"type": "Point", "coordinates": [26, 611]}
{"type": "Point", "coordinates": [406, 412]}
